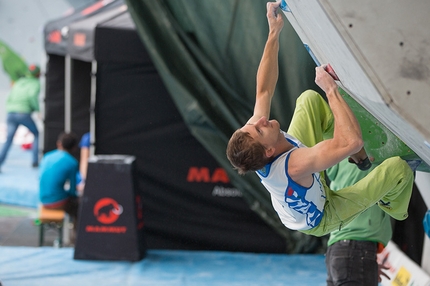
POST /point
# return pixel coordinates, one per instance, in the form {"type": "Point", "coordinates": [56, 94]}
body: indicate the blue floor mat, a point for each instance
{"type": "Point", "coordinates": [19, 181]}
{"type": "Point", "coordinates": [51, 266]}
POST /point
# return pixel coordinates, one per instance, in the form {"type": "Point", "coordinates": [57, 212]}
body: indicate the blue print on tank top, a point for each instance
{"type": "Point", "coordinates": [295, 198]}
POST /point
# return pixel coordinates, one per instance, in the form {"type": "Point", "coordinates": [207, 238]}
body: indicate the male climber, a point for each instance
{"type": "Point", "coordinates": [291, 164]}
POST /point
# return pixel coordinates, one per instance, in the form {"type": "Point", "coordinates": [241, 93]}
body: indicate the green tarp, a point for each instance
{"type": "Point", "coordinates": [207, 53]}
{"type": "Point", "coordinates": [13, 64]}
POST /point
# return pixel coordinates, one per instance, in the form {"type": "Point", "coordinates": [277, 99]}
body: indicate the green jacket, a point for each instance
{"type": "Point", "coordinates": [373, 224]}
{"type": "Point", "coordinates": [24, 96]}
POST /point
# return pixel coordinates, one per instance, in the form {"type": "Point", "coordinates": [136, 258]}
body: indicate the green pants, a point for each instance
{"type": "Point", "coordinates": [390, 182]}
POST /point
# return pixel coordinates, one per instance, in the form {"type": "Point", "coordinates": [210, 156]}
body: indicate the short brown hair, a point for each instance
{"type": "Point", "coordinates": [246, 154]}
{"type": "Point", "coordinates": [69, 141]}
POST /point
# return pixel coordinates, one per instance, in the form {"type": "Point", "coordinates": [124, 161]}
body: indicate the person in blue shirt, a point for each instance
{"type": "Point", "coordinates": [58, 176]}
{"type": "Point", "coordinates": [84, 146]}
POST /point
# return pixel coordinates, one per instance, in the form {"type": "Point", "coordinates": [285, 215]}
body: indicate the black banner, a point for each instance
{"type": "Point", "coordinates": [188, 200]}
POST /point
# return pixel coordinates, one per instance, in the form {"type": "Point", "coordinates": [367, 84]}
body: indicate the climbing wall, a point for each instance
{"type": "Point", "coordinates": [380, 51]}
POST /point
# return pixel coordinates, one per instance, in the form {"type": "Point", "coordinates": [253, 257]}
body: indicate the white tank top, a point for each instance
{"type": "Point", "coordinates": [299, 208]}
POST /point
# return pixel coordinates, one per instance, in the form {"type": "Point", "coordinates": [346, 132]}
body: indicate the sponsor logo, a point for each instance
{"type": "Point", "coordinates": [219, 191]}
{"type": "Point", "coordinates": [106, 229]}
{"type": "Point", "coordinates": [204, 175]}
{"type": "Point", "coordinates": [219, 175]}
{"type": "Point", "coordinates": [296, 200]}
{"type": "Point", "coordinates": [139, 209]}
{"type": "Point", "coordinates": [107, 211]}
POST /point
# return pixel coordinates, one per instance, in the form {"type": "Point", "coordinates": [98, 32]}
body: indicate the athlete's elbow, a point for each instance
{"type": "Point", "coordinates": [355, 145]}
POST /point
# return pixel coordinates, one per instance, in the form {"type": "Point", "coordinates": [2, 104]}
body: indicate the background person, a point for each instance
{"type": "Point", "coordinates": [351, 257]}
{"type": "Point", "coordinates": [84, 145]}
{"type": "Point", "coordinates": [58, 176]}
{"type": "Point", "coordinates": [22, 100]}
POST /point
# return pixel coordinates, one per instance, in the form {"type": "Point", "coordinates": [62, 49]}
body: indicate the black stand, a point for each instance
{"type": "Point", "coordinates": [110, 225]}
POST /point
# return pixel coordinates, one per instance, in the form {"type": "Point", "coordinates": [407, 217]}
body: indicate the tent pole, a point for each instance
{"type": "Point", "coordinates": [92, 106]}
{"type": "Point", "coordinates": [67, 95]}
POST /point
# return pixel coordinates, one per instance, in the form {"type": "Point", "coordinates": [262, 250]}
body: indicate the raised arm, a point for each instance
{"type": "Point", "coordinates": [346, 127]}
{"type": "Point", "coordinates": [346, 139]}
{"type": "Point", "coordinates": [267, 74]}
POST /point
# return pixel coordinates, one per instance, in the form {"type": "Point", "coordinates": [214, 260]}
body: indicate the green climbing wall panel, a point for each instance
{"type": "Point", "coordinates": [379, 142]}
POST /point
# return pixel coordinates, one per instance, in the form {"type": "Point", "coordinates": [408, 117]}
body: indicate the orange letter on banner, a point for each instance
{"type": "Point", "coordinates": [198, 175]}
{"type": "Point", "coordinates": [220, 175]}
